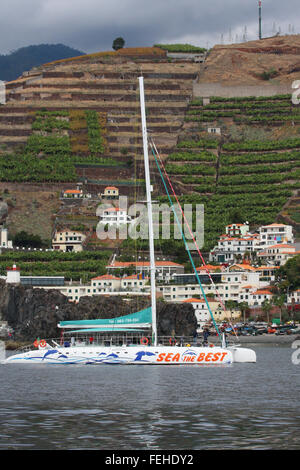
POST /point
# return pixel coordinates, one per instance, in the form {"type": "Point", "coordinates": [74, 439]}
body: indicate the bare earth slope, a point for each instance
{"type": "Point", "coordinates": [243, 64]}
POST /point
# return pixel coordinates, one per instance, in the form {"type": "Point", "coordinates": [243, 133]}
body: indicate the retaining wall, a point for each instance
{"type": "Point", "coordinates": [217, 89]}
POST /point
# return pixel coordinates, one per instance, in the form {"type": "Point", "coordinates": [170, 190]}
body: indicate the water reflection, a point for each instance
{"type": "Point", "coordinates": [134, 407]}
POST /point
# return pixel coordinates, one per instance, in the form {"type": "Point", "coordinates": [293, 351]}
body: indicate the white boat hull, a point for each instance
{"type": "Point", "coordinates": [160, 355]}
{"type": "Point", "coordinates": [242, 354]}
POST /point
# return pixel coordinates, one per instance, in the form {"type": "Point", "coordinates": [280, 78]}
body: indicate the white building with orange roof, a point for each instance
{"type": "Point", "coordinates": [135, 282]}
{"type": "Point", "coordinates": [211, 268]}
{"type": "Point", "coordinates": [73, 193]}
{"type": "Point", "coordinates": [229, 248]}
{"type": "Point", "coordinates": [275, 234]}
{"type": "Point", "coordinates": [237, 230]}
{"type": "Point", "coordinates": [164, 269]}
{"type": "Point", "coordinates": [255, 297]}
{"type": "Point", "coordinates": [106, 283]}
{"type": "Point", "coordinates": [110, 192]}
{"type": "Point", "coordinates": [227, 285]}
{"type": "Point", "coordinates": [203, 314]}
{"type": "Point", "coordinates": [238, 240]}
{"type": "Point", "coordinates": [267, 273]}
{"type": "Point", "coordinates": [279, 254]}
{"type": "Point", "coordinates": [114, 216]}
{"type": "Point", "coordinates": [259, 296]}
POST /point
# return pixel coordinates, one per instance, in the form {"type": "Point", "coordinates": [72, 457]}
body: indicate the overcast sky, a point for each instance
{"type": "Point", "coordinates": [92, 25]}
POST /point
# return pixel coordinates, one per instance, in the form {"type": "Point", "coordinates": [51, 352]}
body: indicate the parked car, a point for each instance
{"type": "Point", "coordinates": [260, 331]}
{"type": "Point", "coordinates": [284, 330]}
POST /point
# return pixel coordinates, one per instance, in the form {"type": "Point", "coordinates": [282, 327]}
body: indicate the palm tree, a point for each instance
{"type": "Point", "coordinates": [266, 307]}
{"type": "Point", "coordinates": [280, 301]}
{"type": "Point", "coordinates": [244, 307]}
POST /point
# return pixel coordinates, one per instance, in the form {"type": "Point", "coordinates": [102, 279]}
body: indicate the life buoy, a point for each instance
{"type": "Point", "coordinates": [36, 343]}
{"type": "Point", "coordinates": [144, 341]}
{"type": "Point", "coordinates": [42, 343]}
{"type": "Point", "coordinates": [211, 345]}
{"type": "Point", "coordinates": [172, 341]}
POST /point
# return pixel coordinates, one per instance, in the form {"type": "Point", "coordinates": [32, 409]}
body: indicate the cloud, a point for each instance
{"type": "Point", "coordinates": [92, 25]}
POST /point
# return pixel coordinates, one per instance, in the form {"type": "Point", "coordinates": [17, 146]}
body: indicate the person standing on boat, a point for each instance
{"type": "Point", "coordinates": [205, 336]}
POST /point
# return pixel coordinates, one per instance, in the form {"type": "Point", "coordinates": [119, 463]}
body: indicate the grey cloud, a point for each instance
{"type": "Point", "coordinates": [92, 25]}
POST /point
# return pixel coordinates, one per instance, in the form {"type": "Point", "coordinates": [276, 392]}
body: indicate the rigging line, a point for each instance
{"type": "Point", "coordinates": [185, 242]}
{"type": "Point", "coordinates": [191, 233]}
{"type": "Point", "coordinates": [188, 226]}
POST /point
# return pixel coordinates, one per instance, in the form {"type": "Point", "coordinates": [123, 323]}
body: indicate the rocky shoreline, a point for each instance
{"type": "Point", "coordinates": [33, 313]}
{"type": "Point", "coordinates": [266, 339]}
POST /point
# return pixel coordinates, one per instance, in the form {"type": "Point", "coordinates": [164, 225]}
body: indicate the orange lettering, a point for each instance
{"type": "Point", "coordinates": [176, 357]}
{"type": "Point", "coordinates": [223, 355]}
{"type": "Point", "coordinates": [201, 357]}
{"type": "Point", "coordinates": [168, 357]}
{"type": "Point", "coordinates": [208, 356]}
{"type": "Point", "coordinates": [160, 357]}
{"type": "Point", "coordinates": [216, 357]}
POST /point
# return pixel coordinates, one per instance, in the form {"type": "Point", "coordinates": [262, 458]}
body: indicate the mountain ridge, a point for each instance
{"type": "Point", "coordinates": [17, 62]}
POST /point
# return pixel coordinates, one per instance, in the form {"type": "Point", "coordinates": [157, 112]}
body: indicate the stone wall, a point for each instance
{"type": "Point", "coordinates": [217, 89]}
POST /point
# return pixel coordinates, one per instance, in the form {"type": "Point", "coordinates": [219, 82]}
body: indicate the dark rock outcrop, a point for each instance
{"type": "Point", "coordinates": [36, 312]}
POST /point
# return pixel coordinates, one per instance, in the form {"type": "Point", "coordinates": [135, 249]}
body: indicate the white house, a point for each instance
{"type": "Point", "coordinates": [114, 216]}
{"type": "Point", "coordinates": [237, 230]}
{"type": "Point", "coordinates": [164, 269]}
{"type": "Point", "coordinates": [73, 193]}
{"type": "Point", "coordinates": [229, 247]}
{"type": "Point", "coordinates": [238, 240]}
{"type": "Point", "coordinates": [275, 234]}
{"type": "Point", "coordinates": [134, 282]}
{"type": "Point", "coordinates": [106, 283]}
{"type": "Point", "coordinates": [68, 240]}
{"type": "Point", "coordinates": [294, 297]}
{"type": "Point", "coordinates": [203, 315]}
{"type": "Point", "coordinates": [258, 297]}
{"type": "Point", "coordinates": [278, 254]}
{"type": "Point", "coordinates": [110, 192]}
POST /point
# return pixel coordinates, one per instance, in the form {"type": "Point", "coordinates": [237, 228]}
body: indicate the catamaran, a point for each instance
{"type": "Point", "coordinates": [147, 352]}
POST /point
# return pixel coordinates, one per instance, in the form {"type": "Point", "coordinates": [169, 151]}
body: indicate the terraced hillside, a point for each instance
{"type": "Point", "coordinates": [63, 105]}
{"type": "Point", "coordinates": [236, 176]}
{"type": "Point", "coordinates": [80, 119]}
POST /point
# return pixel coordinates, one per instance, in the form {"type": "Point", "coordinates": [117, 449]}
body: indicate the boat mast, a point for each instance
{"type": "Point", "coordinates": [149, 207]}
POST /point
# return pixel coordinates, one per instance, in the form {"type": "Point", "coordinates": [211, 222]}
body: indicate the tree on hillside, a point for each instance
{"type": "Point", "coordinates": [118, 43]}
{"type": "Point", "coordinates": [288, 276]}
{"type": "Point", "coordinates": [28, 240]}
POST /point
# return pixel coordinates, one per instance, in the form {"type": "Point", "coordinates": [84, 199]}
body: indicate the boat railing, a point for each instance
{"type": "Point", "coordinates": [122, 340]}
{"type": "Point", "coordinates": [131, 340]}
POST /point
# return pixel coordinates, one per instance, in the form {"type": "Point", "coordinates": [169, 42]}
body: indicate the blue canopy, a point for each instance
{"type": "Point", "coordinates": [140, 319]}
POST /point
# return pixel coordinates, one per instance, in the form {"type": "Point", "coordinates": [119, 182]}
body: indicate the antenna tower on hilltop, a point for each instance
{"type": "Point", "coordinates": [259, 19]}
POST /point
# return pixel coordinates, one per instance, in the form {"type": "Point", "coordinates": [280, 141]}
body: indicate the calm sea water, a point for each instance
{"type": "Point", "coordinates": [242, 406]}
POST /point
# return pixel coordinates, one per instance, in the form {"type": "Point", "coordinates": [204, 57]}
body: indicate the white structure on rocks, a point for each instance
{"type": "Point", "coordinates": [4, 241]}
